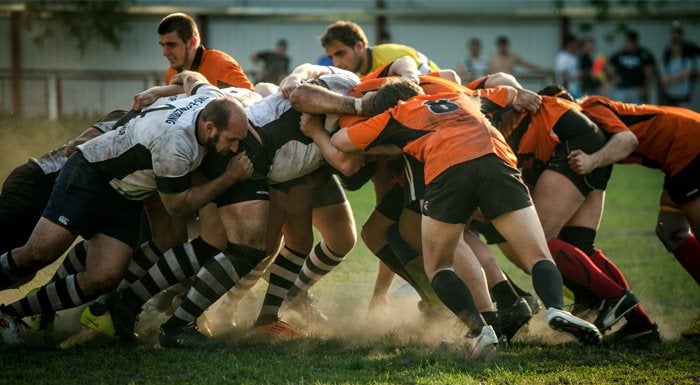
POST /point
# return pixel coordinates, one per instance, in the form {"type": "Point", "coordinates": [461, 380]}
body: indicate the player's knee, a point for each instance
{"type": "Point", "coordinates": [672, 229]}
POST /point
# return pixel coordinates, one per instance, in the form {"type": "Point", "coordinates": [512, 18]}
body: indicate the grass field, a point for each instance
{"type": "Point", "coordinates": [403, 350]}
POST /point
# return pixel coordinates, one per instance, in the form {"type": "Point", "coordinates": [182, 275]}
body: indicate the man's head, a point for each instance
{"type": "Point", "coordinates": [223, 123]}
{"type": "Point", "coordinates": [389, 94]}
{"type": "Point", "coordinates": [474, 46]}
{"type": "Point", "coordinates": [281, 47]}
{"type": "Point", "coordinates": [502, 44]}
{"type": "Point", "coordinates": [346, 44]}
{"type": "Point", "coordinates": [631, 41]}
{"type": "Point", "coordinates": [179, 37]}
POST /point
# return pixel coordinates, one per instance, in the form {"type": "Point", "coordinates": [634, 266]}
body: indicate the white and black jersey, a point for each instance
{"type": "Point", "coordinates": [154, 151]}
{"type": "Point", "coordinates": [54, 160]}
{"type": "Point", "coordinates": [290, 153]}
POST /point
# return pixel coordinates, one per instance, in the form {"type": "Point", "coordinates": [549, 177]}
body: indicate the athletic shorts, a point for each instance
{"type": "Point", "coordinates": [84, 203]}
{"type": "Point", "coordinates": [685, 185]}
{"type": "Point", "coordinates": [596, 180]}
{"type": "Point", "coordinates": [392, 203]}
{"type": "Point", "coordinates": [486, 182]}
{"type": "Point", "coordinates": [24, 195]}
{"type": "Point", "coordinates": [326, 190]}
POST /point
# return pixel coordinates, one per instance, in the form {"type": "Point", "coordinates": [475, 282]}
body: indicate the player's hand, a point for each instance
{"type": "Point", "coordinates": [239, 167]}
{"type": "Point", "coordinates": [144, 98]}
{"type": "Point", "coordinates": [310, 125]}
{"type": "Point", "coordinates": [526, 100]}
{"type": "Point", "coordinates": [581, 162]}
{"type": "Point", "coordinates": [288, 85]}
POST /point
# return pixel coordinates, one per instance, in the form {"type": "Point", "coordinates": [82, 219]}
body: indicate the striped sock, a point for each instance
{"type": "Point", "coordinates": [213, 280]}
{"type": "Point", "coordinates": [58, 295]}
{"type": "Point", "coordinates": [179, 263]}
{"type": "Point", "coordinates": [283, 273]}
{"type": "Point", "coordinates": [319, 263]}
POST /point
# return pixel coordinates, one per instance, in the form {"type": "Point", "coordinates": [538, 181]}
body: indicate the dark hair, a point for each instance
{"type": "Point", "coordinates": [389, 94]}
{"type": "Point", "coordinates": [632, 36]}
{"type": "Point", "coordinates": [282, 42]}
{"type": "Point", "coordinates": [345, 32]}
{"type": "Point", "coordinates": [556, 90]}
{"type": "Point", "coordinates": [183, 24]}
{"type": "Point", "coordinates": [502, 40]}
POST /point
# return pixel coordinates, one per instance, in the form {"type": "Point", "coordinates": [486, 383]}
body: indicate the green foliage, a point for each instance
{"type": "Point", "coordinates": [85, 20]}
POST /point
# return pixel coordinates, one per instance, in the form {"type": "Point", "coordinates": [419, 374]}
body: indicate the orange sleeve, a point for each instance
{"type": "Point", "coordinates": [363, 134]}
{"type": "Point", "coordinates": [497, 95]}
{"type": "Point", "coordinates": [604, 117]}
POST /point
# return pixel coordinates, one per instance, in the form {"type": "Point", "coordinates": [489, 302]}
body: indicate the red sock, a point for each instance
{"type": "Point", "coordinates": [688, 255]}
{"type": "Point", "coordinates": [609, 268]}
{"type": "Point", "coordinates": [575, 265]}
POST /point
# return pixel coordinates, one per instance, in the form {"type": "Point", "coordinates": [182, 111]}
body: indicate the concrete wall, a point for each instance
{"type": "Point", "coordinates": [442, 40]}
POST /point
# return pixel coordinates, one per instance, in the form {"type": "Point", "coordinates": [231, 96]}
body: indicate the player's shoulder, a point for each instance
{"type": "Point", "coordinates": [216, 55]}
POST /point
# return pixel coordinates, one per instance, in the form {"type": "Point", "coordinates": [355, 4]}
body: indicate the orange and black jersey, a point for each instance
{"type": "Point", "coordinates": [219, 68]}
{"type": "Point", "coordinates": [431, 83]}
{"type": "Point", "coordinates": [439, 130]}
{"type": "Point", "coordinates": [534, 137]}
{"type": "Point", "coordinates": [669, 137]}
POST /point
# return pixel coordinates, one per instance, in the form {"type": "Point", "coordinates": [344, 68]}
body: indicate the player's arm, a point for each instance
{"type": "Point", "coordinates": [183, 203]}
{"type": "Point", "coordinates": [299, 75]}
{"type": "Point", "coordinates": [525, 100]}
{"type": "Point", "coordinates": [147, 97]}
{"type": "Point", "coordinates": [314, 99]}
{"type": "Point", "coordinates": [189, 80]}
{"type": "Point", "coordinates": [347, 163]}
{"type": "Point", "coordinates": [618, 147]}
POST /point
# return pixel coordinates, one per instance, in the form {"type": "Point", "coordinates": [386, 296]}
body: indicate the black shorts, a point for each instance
{"type": "Point", "coordinates": [326, 190]}
{"type": "Point", "coordinates": [392, 203]}
{"type": "Point", "coordinates": [486, 182]}
{"type": "Point", "coordinates": [685, 185]}
{"type": "Point", "coordinates": [24, 195]}
{"type": "Point", "coordinates": [414, 189]}
{"type": "Point", "coordinates": [596, 180]}
{"type": "Point", "coordinates": [85, 204]}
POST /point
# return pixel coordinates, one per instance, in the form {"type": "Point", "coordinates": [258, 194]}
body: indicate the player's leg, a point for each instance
{"type": "Point", "coordinates": [333, 218]}
{"type": "Point", "coordinates": [290, 214]}
{"type": "Point", "coordinates": [246, 228]}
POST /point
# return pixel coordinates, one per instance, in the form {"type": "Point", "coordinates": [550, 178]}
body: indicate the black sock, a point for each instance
{"type": "Point", "coordinates": [504, 294]}
{"type": "Point", "coordinates": [548, 284]}
{"type": "Point", "coordinates": [456, 296]}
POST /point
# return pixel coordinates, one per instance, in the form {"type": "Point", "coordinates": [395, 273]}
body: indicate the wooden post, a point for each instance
{"type": "Point", "coordinates": [16, 63]}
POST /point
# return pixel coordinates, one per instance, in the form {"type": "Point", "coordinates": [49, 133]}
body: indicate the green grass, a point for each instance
{"type": "Point", "coordinates": [403, 351]}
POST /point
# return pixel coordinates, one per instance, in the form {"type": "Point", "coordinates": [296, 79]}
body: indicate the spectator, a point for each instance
{"type": "Point", "coordinates": [473, 66]}
{"type": "Point", "coordinates": [275, 63]}
{"type": "Point", "coordinates": [631, 70]}
{"type": "Point", "coordinates": [384, 38]}
{"type": "Point", "coordinates": [506, 61]}
{"type": "Point", "coordinates": [566, 66]}
{"type": "Point", "coordinates": [592, 64]}
{"type": "Point", "coordinates": [679, 69]}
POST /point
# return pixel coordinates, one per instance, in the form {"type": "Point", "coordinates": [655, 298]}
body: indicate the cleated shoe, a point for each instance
{"type": "Point", "coordinates": [563, 321]}
{"type": "Point", "coordinates": [636, 334]}
{"type": "Point", "coordinates": [512, 318]}
{"type": "Point", "coordinates": [693, 329]}
{"type": "Point", "coordinates": [100, 323]}
{"type": "Point", "coordinates": [125, 319]}
{"type": "Point", "coordinates": [10, 328]}
{"type": "Point", "coordinates": [612, 310]}
{"type": "Point", "coordinates": [275, 329]}
{"type": "Point", "coordinates": [188, 338]}
{"type": "Point", "coordinates": [484, 345]}
{"type": "Point", "coordinates": [305, 305]}
{"type": "Point", "coordinates": [533, 303]}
